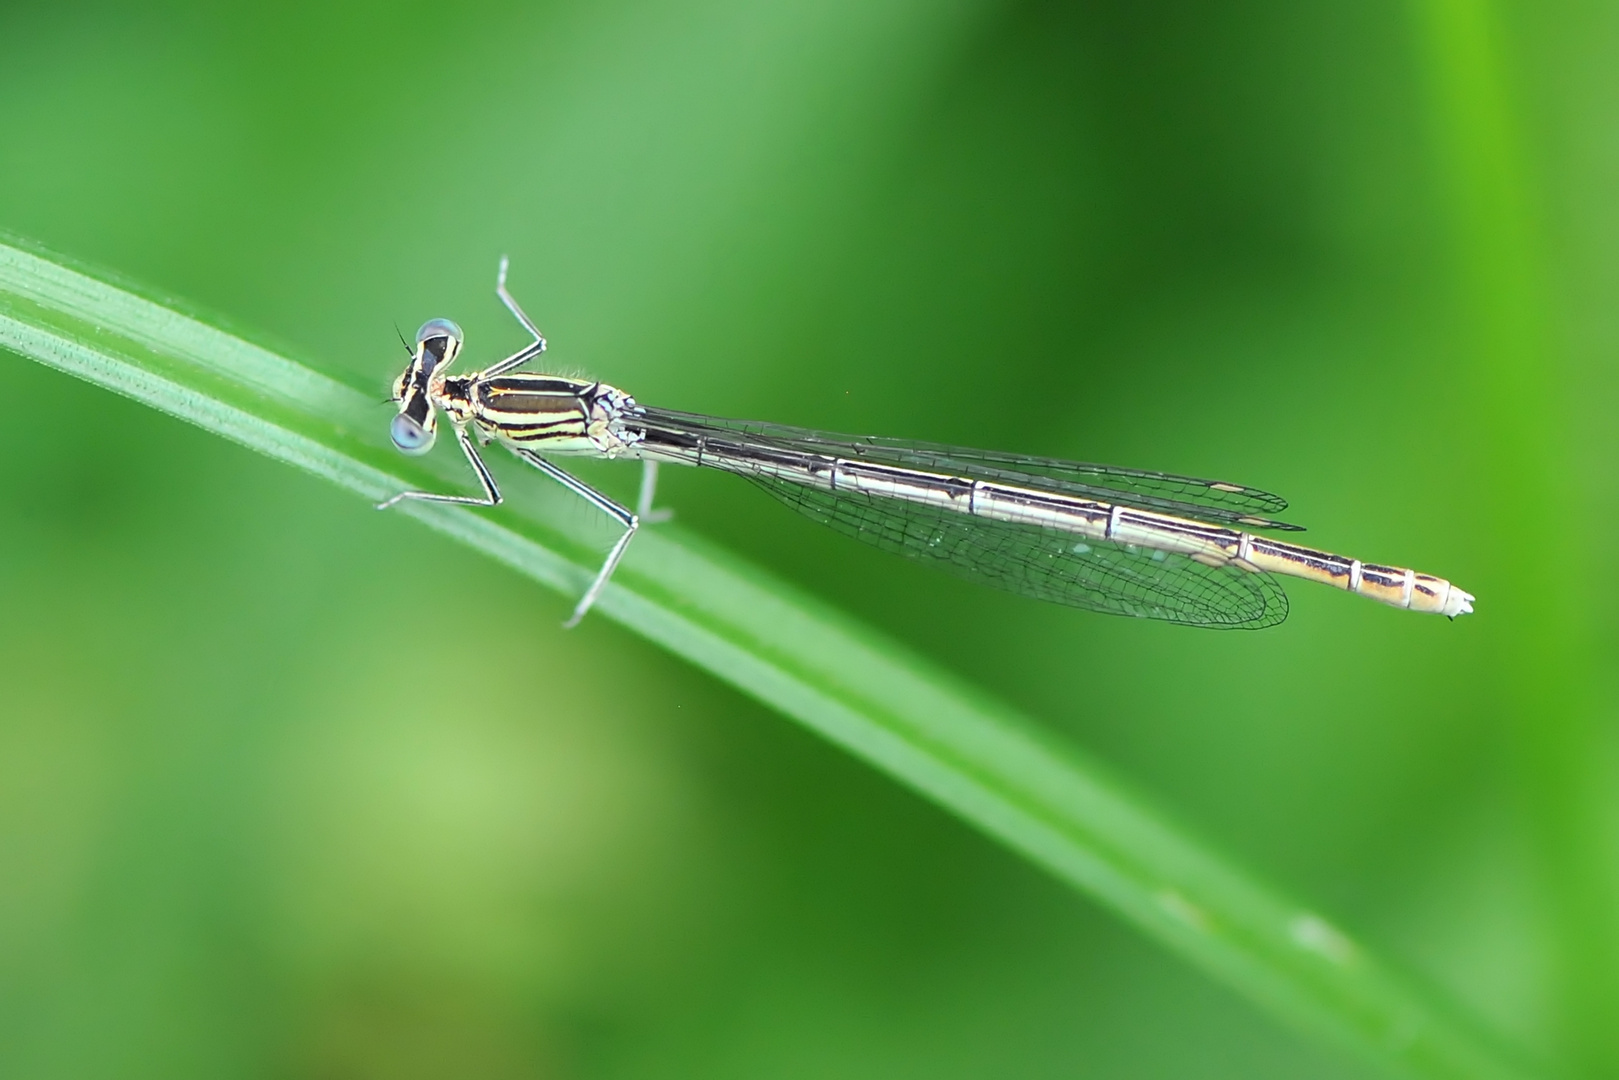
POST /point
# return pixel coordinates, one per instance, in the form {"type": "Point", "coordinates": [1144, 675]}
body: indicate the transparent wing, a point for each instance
{"type": "Point", "coordinates": [1116, 579]}
{"type": "Point", "coordinates": [1183, 496]}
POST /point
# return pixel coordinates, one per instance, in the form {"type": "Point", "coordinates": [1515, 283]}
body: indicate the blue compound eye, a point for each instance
{"type": "Point", "coordinates": [440, 340]}
{"type": "Point", "coordinates": [437, 328]}
{"type": "Point", "coordinates": [409, 436]}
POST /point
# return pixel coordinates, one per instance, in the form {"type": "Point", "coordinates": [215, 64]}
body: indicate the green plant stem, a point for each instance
{"type": "Point", "coordinates": [970, 754]}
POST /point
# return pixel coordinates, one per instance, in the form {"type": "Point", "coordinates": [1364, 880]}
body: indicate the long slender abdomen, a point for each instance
{"type": "Point", "coordinates": [1393, 585]}
{"type": "Point", "coordinates": [1213, 545]}
{"type": "Point", "coordinates": [1396, 586]}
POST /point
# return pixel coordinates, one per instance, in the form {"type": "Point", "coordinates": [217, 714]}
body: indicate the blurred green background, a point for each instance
{"type": "Point", "coordinates": [288, 787]}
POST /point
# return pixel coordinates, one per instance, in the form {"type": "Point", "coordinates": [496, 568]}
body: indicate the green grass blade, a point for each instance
{"type": "Point", "coordinates": [972, 755]}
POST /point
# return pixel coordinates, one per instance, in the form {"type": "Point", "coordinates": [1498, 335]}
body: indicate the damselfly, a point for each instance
{"type": "Point", "coordinates": [1119, 541]}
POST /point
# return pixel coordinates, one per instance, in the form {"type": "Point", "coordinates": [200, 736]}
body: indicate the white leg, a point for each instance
{"type": "Point", "coordinates": [491, 493]}
{"type": "Point", "coordinates": [649, 487]}
{"type": "Point", "coordinates": [528, 352]}
{"type": "Point", "coordinates": [606, 506]}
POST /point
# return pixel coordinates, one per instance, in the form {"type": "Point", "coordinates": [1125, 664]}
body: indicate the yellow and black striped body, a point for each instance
{"type": "Point", "coordinates": [548, 413]}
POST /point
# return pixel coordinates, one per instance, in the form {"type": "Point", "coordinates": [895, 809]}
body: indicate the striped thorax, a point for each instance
{"type": "Point", "coordinates": [548, 413]}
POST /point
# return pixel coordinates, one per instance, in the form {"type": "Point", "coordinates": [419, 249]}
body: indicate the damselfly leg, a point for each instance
{"type": "Point", "coordinates": [492, 497]}
{"type": "Point", "coordinates": [643, 501]}
{"type": "Point", "coordinates": [601, 502]}
{"type": "Point", "coordinates": [491, 492]}
{"type": "Point", "coordinates": [528, 352]}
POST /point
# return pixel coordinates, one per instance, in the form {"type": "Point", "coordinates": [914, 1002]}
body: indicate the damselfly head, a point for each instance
{"type": "Point", "coordinates": [413, 430]}
{"type": "Point", "coordinates": [416, 425]}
